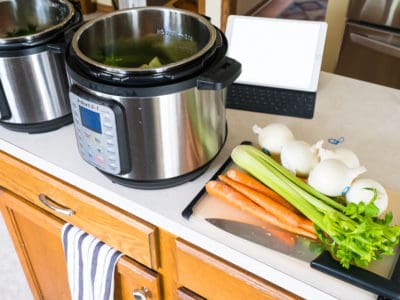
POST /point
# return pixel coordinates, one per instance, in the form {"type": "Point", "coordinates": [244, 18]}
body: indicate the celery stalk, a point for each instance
{"type": "Point", "coordinates": [353, 234]}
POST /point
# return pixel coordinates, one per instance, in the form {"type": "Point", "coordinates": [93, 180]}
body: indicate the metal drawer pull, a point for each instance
{"type": "Point", "coordinates": [141, 294]}
{"type": "Point", "coordinates": [376, 45]}
{"type": "Point", "coordinates": [60, 209]}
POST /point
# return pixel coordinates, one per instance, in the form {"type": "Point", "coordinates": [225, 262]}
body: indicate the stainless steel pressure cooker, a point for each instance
{"type": "Point", "coordinates": [33, 80]}
{"type": "Point", "coordinates": [148, 94]}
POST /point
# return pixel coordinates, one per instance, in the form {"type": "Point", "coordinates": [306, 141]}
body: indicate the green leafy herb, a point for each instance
{"type": "Point", "coordinates": [352, 233]}
{"type": "Point", "coordinates": [30, 29]}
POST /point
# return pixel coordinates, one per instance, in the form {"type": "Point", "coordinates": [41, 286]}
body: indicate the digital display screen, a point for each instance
{"type": "Point", "coordinates": [90, 119]}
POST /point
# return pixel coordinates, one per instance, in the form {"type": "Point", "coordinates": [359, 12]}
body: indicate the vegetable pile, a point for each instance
{"type": "Point", "coordinates": [352, 233]}
{"type": "Point", "coordinates": [329, 203]}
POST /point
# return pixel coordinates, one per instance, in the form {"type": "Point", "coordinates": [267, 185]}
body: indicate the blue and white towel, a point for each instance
{"type": "Point", "coordinates": [90, 265]}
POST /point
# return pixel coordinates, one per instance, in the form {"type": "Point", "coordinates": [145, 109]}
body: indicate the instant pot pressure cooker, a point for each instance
{"type": "Point", "coordinates": [148, 94]}
{"type": "Point", "coordinates": [33, 80]}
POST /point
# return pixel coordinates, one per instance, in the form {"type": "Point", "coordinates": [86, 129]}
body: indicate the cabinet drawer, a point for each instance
{"type": "Point", "coordinates": [44, 262]}
{"type": "Point", "coordinates": [126, 233]}
{"type": "Point", "coordinates": [134, 281]}
{"type": "Point", "coordinates": [212, 271]}
{"type": "Point", "coordinates": [186, 294]}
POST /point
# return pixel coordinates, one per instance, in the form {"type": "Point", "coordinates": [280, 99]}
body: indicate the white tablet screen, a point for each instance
{"type": "Point", "coordinates": [277, 52]}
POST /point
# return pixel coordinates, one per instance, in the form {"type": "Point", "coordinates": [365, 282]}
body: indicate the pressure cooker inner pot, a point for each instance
{"type": "Point", "coordinates": [143, 39]}
{"type": "Point", "coordinates": [29, 19]}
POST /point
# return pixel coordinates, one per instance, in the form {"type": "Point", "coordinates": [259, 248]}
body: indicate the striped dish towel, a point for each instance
{"type": "Point", "coordinates": [90, 265]}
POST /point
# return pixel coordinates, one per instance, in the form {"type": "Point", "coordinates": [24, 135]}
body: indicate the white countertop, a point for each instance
{"type": "Point", "coordinates": [366, 115]}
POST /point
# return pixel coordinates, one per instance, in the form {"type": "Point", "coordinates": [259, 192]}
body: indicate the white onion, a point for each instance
{"type": "Point", "coordinates": [358, 192]}
{"type": "Point", "coordinates": [299, 157]}
{"type": "Point", "coordinates": [332, 177]}
{"type": "Point", "coordinates": [345, 155]}
{"type": "Point", "coordinates": [273, 136]}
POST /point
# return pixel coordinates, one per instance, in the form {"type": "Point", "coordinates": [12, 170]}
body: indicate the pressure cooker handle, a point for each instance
{"type": "Point", "coordinates": [60, 45]}
{"type": "Point", "coordinates": [5, 112]}
{"type": "Point", "coordinates": [220, 76]}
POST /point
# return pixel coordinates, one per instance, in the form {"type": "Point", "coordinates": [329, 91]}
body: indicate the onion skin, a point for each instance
{"type": "Point", "coordinates": [332, 177]}
{"type": "Point", "coordinates": [273, 137]}
{"type": "Point", "coordinates": [298, 157]}
{"type": "Point", "coordinates": [360, 192]}
{"type": "Point", "coordinates": [347, 156]}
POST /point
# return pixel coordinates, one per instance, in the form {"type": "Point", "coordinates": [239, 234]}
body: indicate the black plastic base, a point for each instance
{"type": "Point", "coordinates": [39, 127]}
{"type": "Point", "coordinates": [384, 287]}
{"type": "Point", "coordinates": [158, 184]}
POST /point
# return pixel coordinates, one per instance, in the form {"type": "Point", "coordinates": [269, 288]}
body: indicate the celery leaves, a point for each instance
{"type": "Point", "coordinates": [352, 233]}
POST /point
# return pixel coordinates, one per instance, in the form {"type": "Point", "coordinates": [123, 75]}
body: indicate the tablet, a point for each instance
{"type": "Point", "coordinates": [276, 52]}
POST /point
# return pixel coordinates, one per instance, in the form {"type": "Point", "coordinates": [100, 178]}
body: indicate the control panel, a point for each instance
{"type": "Point", "coordinates": [97, 132]}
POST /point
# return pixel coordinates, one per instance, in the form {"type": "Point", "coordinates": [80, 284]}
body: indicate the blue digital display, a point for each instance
{"type": "Point", "coordinates": [90, 119]}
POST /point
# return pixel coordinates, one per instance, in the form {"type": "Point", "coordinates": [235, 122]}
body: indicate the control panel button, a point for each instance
{"type": "Point", "coordinates": [108, 133]}
{"type": "Point", "coordinates": [96, 132]}
{"type": "Point", "coordinates": [111, 150]}
{"type": "Point", "coordinates": [100, 159]}
{"type": "Point", "coordinates": [112, 166]}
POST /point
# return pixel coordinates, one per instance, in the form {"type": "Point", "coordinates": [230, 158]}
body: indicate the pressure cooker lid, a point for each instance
{"type": "Point", "coordinates": [29, 22]}
{"type": "Point", "coordinates": [147, 41]}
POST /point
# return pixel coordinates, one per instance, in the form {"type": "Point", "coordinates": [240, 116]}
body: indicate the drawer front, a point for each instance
{"type": "Point", "coordinates": [186, 294]}
{"type": "Point", "coordinates": [212, 271]}
{"type": "Point", "coordinates": [134, 281]}
{"type": "Point", "coordinates": [126, 233]}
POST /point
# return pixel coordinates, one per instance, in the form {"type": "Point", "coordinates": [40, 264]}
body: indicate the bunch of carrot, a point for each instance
{"type": "Point", "coordinates": [243, 191]}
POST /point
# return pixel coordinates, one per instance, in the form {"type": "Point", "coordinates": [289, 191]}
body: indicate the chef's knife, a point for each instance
{"type": "Point", "coordinates": [271, 237]}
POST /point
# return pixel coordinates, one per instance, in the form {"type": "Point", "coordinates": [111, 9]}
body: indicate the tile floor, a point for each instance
{"type": "Point", "coordinates": [13, 285]}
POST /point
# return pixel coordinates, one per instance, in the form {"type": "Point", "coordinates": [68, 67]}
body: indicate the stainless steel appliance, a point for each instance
{"type": "Point", "coordinates": [370, 49]}
{"type": "Point", "coordinates": [148, 99]}
{"type": "Point", "coordinates": [33, 80]}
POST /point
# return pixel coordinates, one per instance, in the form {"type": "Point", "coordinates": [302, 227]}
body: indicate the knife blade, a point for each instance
{"type": "Point", "coordinates": [272, 238]}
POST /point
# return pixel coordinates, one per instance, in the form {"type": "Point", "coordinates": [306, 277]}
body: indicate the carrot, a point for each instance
{"type": "Point", "coordinates": [231, 196]}
{"type": "Point", "coordinates": [284, 236]}
{"type": "Point", "coordinates": [253, 183]}
{"type": "Point", "coordinates": [273, 207]}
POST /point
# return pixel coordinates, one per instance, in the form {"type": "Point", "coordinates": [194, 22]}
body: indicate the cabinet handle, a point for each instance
{"type": "Point", "coordinates": [60, 209]}
{"type": "Point", "coordinates": [141, 294]}
{"type": "Point", "coordinates": [376, 45]}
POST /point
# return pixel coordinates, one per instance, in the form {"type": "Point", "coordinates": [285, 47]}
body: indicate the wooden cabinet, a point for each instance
{"type": "Point", "coordinates": [155, 264]}
{"type": "Point", "coordinates": [37, 238]}
{"type": "Point", "coordinates": [87, 6]}
{"type": "Point", "coordinates": [126, 233]}
{"type": "Point", "coordinates": [214, 278]}
{"type": "Point", "coordinates": [197, 6]}
{"type": "Point", "coordinates": [35, 228]}
{"type": "Point", "coordinates": [186, 294]}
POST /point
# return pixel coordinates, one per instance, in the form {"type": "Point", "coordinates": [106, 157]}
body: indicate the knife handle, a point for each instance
{"type": "Point", "coordinates": [388, 288]}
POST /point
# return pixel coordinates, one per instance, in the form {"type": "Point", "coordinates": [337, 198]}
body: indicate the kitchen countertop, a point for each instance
{"type": "Point", "coordinates": [366, 115]}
